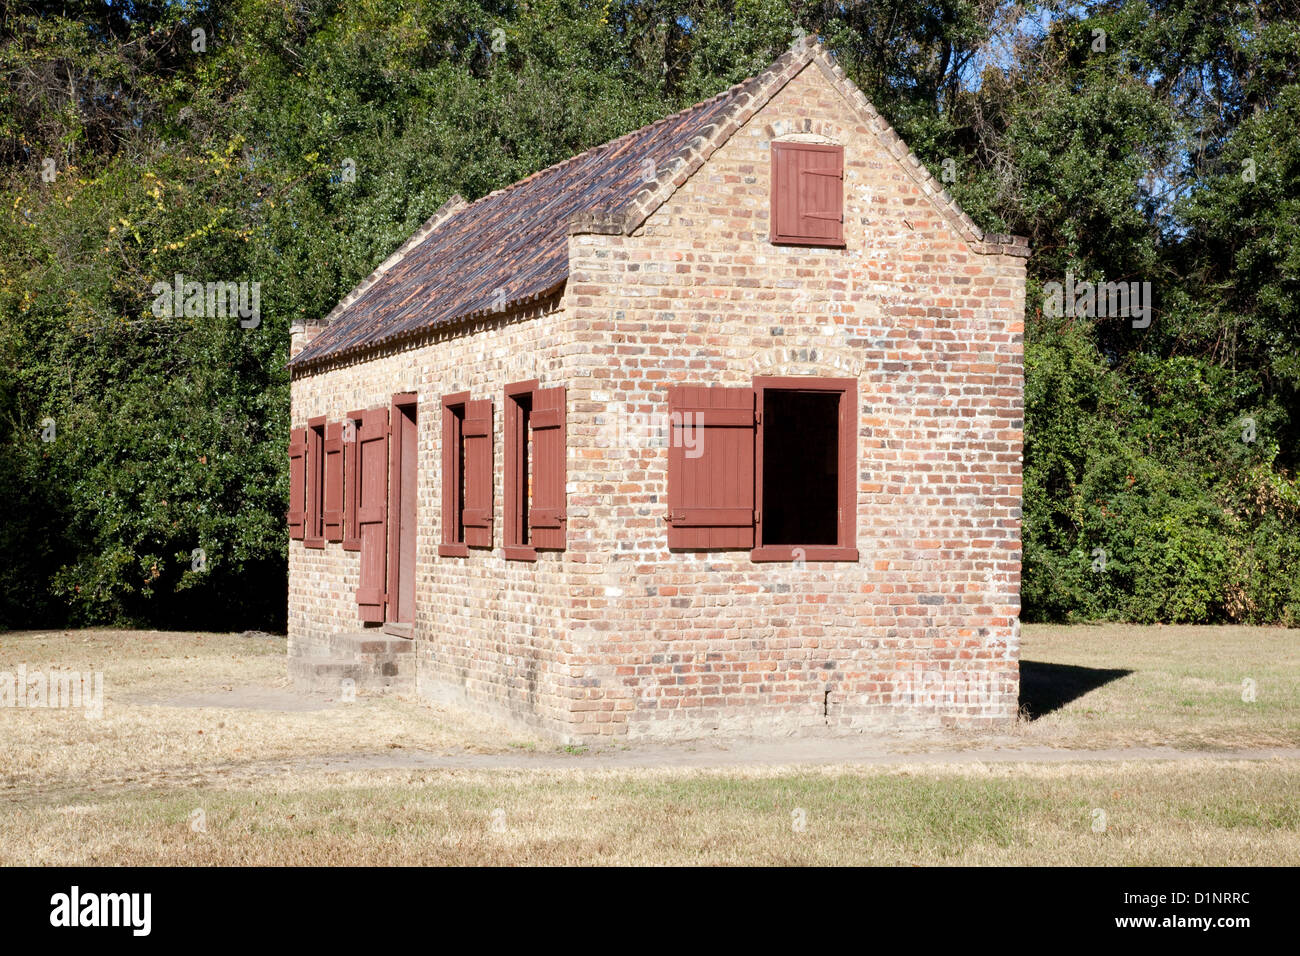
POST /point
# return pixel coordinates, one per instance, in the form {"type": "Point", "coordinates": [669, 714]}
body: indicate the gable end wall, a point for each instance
{"type": "Point", "coordinates": [921, 630]}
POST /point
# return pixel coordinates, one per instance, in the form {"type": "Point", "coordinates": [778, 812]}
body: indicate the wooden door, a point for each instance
{"type": "Point", "coordinates": [372, 511]}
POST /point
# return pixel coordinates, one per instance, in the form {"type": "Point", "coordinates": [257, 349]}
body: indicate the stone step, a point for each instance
{"type": "Point", "coordinates": [350, 644]}
{"type": "Point", "coordinates": [377, 673]}
{"type": "Point", "coordinates": [353, 643]}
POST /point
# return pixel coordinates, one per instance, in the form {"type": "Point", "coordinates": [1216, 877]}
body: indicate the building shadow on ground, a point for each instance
{"type": "Point", "coordinates": [1048, 687]}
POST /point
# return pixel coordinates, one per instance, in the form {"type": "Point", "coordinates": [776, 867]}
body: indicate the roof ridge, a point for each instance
{"type": "Point", "coordinates": [679, 166]}
{"type": "Point", "coordinates": [712, 100]}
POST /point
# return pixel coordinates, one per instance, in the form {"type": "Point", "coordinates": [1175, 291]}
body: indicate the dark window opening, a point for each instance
{"type": "Point", "coordinates": [315, 536]}
{"type": "Point", "coordinates": [522, 491]}
{"type": "Point", "coordinates": [402, 511]}
{"type": "Point", "coordinates": [534, 489]}
{"type": "Point", "coordinates": [801, 467]}
{"type": "Point", "coordinates": [454, 472]}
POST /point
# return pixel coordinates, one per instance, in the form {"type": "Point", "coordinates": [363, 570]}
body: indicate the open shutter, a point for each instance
{"type": "Point", "coordinates": [711, 468]}
{"type": "Point", "coordinates": [808, 194]}
{"type": "Point", "coordinates": [546, 517]}
{"type": "Point", "coordinates": [351, 536]}
{"type": "Point", "coordinates": [334, 481]}
{"type": "Point", "coordinates": [477, 433]}
{"type": "Point", "coordinates": [372, 512]}
{"type": "Point", "coordinates": [297, 514]}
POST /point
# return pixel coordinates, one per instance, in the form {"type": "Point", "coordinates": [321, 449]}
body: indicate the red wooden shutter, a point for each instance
{"type": "Point", "coordinates": [372, 512]}
{"type": "Point", "coordinates": [821, 193]}
{"type": "Point", "coordinates": [351, 536]}
{"type": "Point", "coordinates": [785, 194]}
{"type": "Point", "coordinates": [477, 432]}
{"type": "Point", "coordinates": [711, 467]}
{"type": "Point", "coordinates": [334, 481]}
{"type": "Point", "coordinates": [546, 517]}
{"type": "Point", "coordinates": [297, 514]}
{"type": "Point", "coordinates": [808, 194]}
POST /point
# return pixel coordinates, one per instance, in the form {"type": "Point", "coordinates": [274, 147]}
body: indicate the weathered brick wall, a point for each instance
{"type": "Point", "coordinates": [920, 629]}
{"type": "Point", "coordinates": [487, 630]}
{"type": "Point", "coordinates": [617, 635]}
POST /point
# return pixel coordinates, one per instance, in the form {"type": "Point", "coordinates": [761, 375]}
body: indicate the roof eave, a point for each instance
{"type": "Point", "coordinates": [396, 338]}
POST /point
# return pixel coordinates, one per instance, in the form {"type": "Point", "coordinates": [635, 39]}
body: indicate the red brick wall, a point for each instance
{"type": "Point", "coordinates": [920, 629]}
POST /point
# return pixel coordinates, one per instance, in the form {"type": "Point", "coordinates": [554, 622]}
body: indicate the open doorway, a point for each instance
{"type": "Point", "coordinates": [402, 483]}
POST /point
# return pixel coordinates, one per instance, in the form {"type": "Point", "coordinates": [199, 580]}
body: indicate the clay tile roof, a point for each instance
{"type": "Point", "coordinates": [511, 246]}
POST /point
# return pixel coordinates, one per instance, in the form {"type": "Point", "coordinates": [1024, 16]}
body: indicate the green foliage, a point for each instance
{"type": "Point", "coordinates": [1143, 500]}
{"type": "Point", "coordinates": [227, 164]}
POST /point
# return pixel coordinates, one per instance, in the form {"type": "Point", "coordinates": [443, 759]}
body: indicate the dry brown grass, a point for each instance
{"type": "Point", "coordinates": [144, 737]}
{"type": "Point", "coordinates": [123, 789]}
{"type": "Point", "coordinates": [1202, 812]}
{"type": "Point", "coordinates": [1184, 689]}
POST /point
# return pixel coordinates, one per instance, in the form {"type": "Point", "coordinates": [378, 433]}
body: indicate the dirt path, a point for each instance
{"type": "Point", "coordinates": [795, 754]}
{"type": "Point", "coordinates": [861, 750]}
{"type": "Point", "coordinates": [802, 752]}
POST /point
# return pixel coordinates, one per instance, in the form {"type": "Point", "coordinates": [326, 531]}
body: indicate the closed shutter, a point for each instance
{"type": "Point", "coordinates": [711, 468]}
{"type": "Point", "coordinates": [785, 194]}
{"type": "Point", "coordinates": [351, 534]}
{"type": "Point", "coordinates": [808, 194]}
{"type": "Point", "coordinates": [334, 481]}
{"type": "Point", "coordinates": [477, 433]}
{"type": "Point", "coordinates": [546, 517]}
{"type": "Point", "coordinates": [297, 514]}
{"type": "Point", "coordinates": [372, 512]}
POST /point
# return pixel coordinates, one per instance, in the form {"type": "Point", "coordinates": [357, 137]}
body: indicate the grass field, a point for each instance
{"type": "Point", "coordinates": [1178, 686]}
{"type": "Point", "coordinates": [203, 756]}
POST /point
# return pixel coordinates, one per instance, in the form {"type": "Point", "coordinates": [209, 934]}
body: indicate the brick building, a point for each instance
{"type": "Point", "coordinates": [713, 428]}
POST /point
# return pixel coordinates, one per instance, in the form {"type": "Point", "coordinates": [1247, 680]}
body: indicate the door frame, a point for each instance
{"type": "Point", "coordinates": [397, 481]}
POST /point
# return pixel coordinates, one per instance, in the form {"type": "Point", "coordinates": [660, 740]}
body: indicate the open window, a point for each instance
{"type": "Point", "coordinates": [805, 461]}
{"type": "Point", "coordinates": [372, 512]}
{"type": "Point", "coordinates": [535, 470]}
{"type": "Point", "coordinates": [314, 534]}
{"type": "Point", "coordinates": [351, 480]}
{"type": "Point", "coordinates": [807, 194]}
{"type": "Point", "coordinates": [332, 501]}
{"type": "Point", "coordinates": [769, 468]}
{"type": "Point", "coordinates": [466, 475]}
{"type": "Point", "coordinates": [403, 508]}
